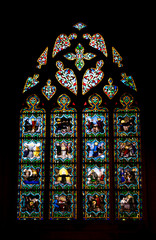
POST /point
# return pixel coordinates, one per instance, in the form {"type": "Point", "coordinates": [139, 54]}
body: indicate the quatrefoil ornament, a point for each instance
{"type": "Point", "coordinates": [79, 56]}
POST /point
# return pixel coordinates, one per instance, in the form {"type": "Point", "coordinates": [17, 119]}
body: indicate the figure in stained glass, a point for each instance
{"type": "Point", "coordinates": [127, 149]}
{"type": "Point", "coordinates": [63, 176]}
{"type": "Point", "coordinates": [89, 146]}
{"type": "Point", "coordinates": [31, 175]}
{"type": "Point", "coordinates": [32, 125]}
{"type": "Point", "coordinates": [32, 119]}
{"type": "Point", "coordinates": [128, 203]}
{"type": "Point", "coordinates": [30, 203]}
{"type": "Point", "coordinates": [126, 124]}
{"type": "Point", "coordinates": [31, 150]}
{"type": "Point", "coordinates": [95, 149]}
{"type": "Point", "coordinates": [95, 203]}
{"type": "Point", "coordinates": [62, 203]}
{"type": "Point", "coordinates": [127, 175]}
{"type": "Point", "coordinates": [128, 182]}
{"type": "Point", "coordinates": [63, 150]}
{"type": "Point", "coordinates": [95, 124]}
{"type": "Point", "coordinates": [31, 161]}
{"type": "Point", "coordinates": [63, 125]}
{"type": "Point", "coordinates": [95, 176]}
{"type": "Point", "coordinates": [63, 170]}
{"type": "Point", "coordinates": [95, 160]}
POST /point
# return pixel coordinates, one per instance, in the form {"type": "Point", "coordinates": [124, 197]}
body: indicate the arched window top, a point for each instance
{"type": "Point", "coordinates": [82, 63]}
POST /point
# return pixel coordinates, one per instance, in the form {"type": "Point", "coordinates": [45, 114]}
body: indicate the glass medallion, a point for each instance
{"type": "Point", "coordinates": [63, 205]}
{"type": "Point", "coordinates": [96, 205]}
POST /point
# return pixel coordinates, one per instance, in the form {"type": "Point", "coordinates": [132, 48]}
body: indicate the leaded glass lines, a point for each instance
{"type": "Point", "coordinates": [127, 160]}
{"type": "Point", "coordinates": [95, 175]}
{"type": "Point", "coordinates": [31, 176]}
{"type": "Point", "coordinates": [80, 138]}
{"type": "Point", "coordinates": [63, 165]}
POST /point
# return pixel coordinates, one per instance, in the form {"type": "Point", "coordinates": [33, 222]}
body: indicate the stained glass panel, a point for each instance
{"type": "Point", "coordinates": [96, 176]}
{"type": "Point", "coordinates": [128, 176]}
{"type": "Point", "coordinates": [63, 167]}
{"type": "Point", "coordinates": [31, 175]}
{"type": "Point", "coordinates": [91, 150]}
{"type": "Point", "coordinates": [95, 172]}
{"type": "Point", "coordinates": [127, 157]}
{"type": "Point", "coordinates": [129, 204]}
{"type": "Point", "coordinates": [96, 204]}
{"type": "Point", "coordinates": [30, 205]}
{"type": "Point", "coordinates": [64, 176]}
{"type": "Point", "coordinates": [63, 205]}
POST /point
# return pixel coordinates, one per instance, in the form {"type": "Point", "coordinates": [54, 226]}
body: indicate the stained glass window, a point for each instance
{"type": "Point", "coordinates": [73, 178]}
{"type": "Point", "coordinates": [127, 160]}
{"type": "Point", "coordinates": [63, 165]}
{"type": "Point", "coordinates": [31, 161]}
{"type": "Point", "coordinates": [96, 182]}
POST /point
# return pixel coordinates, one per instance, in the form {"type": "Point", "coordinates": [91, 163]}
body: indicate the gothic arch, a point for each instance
{"type": "Point", "coordinates": [88, 160]}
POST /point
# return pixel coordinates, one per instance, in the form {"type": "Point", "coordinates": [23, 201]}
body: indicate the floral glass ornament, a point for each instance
{"type": "Point", "coordinates": [62, 42]}
{"type": "Point", "coordinates": [92, 77]}
{"type": "Point", "coordinates": [110, 90]}
{"type": "Point", "coordinates": [79, 56]}
{"type": "Point", "coordinates": [97, 41]}
{"type": "Point", "coordinates": [48, 90]}
{"type": "Point", "coordinates": [80, 26]}
{"type": "Point", "coordinates": [66, 77]}
{"type": "Point", "coordinates": [128, 81]}
{"type": "Point", "coordinates": [31, 82]}
{"type": "Point", "coordinates": [116, 57]}
{"type": "Point", "coordinates": [42, 60]}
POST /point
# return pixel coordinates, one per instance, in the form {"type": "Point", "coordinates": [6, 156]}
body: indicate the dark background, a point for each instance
{"type": "Point", "coordinates": [28, 30]}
